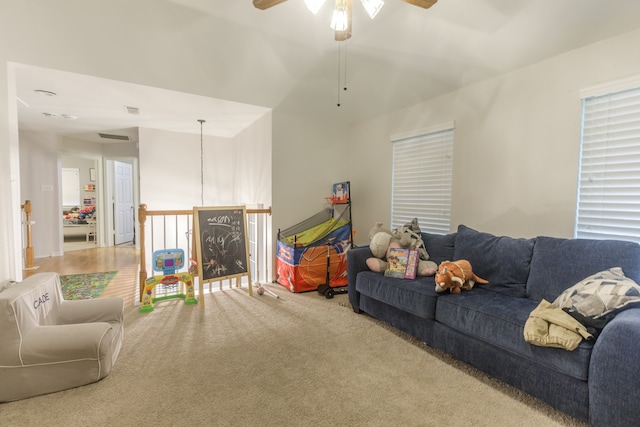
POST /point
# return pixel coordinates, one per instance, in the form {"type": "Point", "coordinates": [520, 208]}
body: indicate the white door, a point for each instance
{"type": "Point", "coordinates": [123, 218]}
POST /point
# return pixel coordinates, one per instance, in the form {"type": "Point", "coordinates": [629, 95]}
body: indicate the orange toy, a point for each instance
{"type": "Point", "coordinates": [456, 275]}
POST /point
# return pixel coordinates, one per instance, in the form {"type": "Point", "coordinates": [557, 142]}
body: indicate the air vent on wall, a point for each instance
{"type": "Point", "coordinates": [112, 136]}
{"type": "Point", "coordinates": [132, 110]}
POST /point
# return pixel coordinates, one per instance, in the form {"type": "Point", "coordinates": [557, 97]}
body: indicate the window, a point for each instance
{"type": "Point", "coordinates": [608, 202]}
{"type": "Point", "coordinates": [70, 187]}
{"type": "Point", "coordinates": [422, 179]}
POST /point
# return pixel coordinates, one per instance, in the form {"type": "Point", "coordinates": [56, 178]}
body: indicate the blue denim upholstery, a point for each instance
{"type": "Point", "coordinates": [503, 261]}
{"type": "Point", "coordinates": [598, 383]}
{"type": "Point", "coordinates": [440, 247]}
{"type": "Point", "coordinates": [414, 296]}
{"type": "Point", "coordinates": [499, 320]}
{"type": "Point", "coordinates": [614, 377]}
{"type": "Point", "coordinates": [560, 391]}
{"type": "Point", "coordinates": [558, 264]}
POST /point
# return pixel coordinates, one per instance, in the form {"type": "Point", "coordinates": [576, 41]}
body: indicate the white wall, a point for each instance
{"type": "Point", "coordinates": [38, 167]}
{"type": "Point", "coordinates": [170, 170]}
{"type": "Point", "coordinates": [516, 144]}
{"type": "Point", "coordinates": [235, 170]}
{"type": "Point", "coordinates": [253, 163]}
{"type": "Point", "coordinates": [308, 157]}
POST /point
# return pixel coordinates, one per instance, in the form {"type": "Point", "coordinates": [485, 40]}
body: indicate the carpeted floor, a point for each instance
{"type": "Point", "coordinates": [84, 286]}
{"type": "Point", "coordinates": [300, 360]}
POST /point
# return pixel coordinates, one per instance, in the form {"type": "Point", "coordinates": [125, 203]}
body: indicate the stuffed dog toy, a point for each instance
{"type": "Point", "coordinates": [456, 275]}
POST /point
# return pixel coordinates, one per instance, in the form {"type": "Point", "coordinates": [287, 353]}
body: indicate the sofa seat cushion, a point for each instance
{"type": "Point", "coordinates": [416, 296]}
{"type": "Point", "coordinates": [499, 320]}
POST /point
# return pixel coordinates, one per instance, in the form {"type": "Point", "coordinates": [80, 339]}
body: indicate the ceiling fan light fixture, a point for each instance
{"type": "Point", "coordinates": [372, 7]}
{"type": "Point", "coordinates": [340, 18]}
{"type": "Point", "coordinates": [314, 5]}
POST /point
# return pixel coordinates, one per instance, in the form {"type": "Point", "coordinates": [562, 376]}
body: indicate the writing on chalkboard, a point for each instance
{"type": "Point", "coordinates": [222, 248]}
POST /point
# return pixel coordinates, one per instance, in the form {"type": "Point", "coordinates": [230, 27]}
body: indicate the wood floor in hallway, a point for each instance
{"type": "Point", "coordinates": [124, 259]}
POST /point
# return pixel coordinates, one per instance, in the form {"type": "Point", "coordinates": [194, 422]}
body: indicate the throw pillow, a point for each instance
{"type": "Point", "coordinates": [605, 292]}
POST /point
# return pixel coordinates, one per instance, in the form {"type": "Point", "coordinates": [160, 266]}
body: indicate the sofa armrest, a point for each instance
{"type": "Point", "coordinates": [92, 310]}
{"type": "Point", "coordinates": [64, 343]}
{"type": "Point", "coordinates": [614, 372]}
{"type": "Point", "coordinates": [356, 262]}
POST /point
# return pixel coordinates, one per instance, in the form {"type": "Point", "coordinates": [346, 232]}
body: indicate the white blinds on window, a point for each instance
{"type": "Point", "coordinates": [609, 182]}
{"type": "Point", "coordinates": [422, 180]}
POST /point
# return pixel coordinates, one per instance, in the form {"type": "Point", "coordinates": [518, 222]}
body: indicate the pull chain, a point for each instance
{"type": "Point", "coordinates": [345, 67]}
{"type": "Point", "coordinates": [342, 72]}
{"type": "Point", "coordinates": [339, 69]}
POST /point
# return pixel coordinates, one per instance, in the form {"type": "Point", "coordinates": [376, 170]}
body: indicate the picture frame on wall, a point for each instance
{"type": "Point", "coordinates": [92, 174]}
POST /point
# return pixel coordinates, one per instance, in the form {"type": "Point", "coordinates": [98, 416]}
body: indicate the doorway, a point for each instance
{"type": "Point", "coordinates": [79, 210]}
{"type": "Point", "coordinates": [110, 194]}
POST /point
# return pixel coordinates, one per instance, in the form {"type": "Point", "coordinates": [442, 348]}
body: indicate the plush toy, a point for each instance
{"type": "Point", "coordinates": [377, 228]}
{"type": "Point", "coordinates": [456, 275]}
{"type": "Point", "coordinates": [379, 246]}
{"type": "Point", "coordinates": [403, 237]}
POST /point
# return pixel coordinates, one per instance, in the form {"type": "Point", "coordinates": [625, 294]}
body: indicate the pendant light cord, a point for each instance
{"type": "Point", "coordinates": [201, 165]}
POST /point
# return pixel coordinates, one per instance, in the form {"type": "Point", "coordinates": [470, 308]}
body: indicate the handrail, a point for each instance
{"type": "Point", "coordinates": [144, 213]}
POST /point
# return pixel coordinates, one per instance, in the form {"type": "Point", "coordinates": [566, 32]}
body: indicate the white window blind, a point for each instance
{"type": "Point", "coordinates": [422, 180]}
{"type": "Point", "coordinates": [609, 182]}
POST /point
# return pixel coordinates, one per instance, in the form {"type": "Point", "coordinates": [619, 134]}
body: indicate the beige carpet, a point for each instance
{"type": "Point", "coordinates": [300, 360]}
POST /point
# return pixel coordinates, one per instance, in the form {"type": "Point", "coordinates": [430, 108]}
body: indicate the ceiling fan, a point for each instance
{"type": "Point", "coordinates": [341, 21]}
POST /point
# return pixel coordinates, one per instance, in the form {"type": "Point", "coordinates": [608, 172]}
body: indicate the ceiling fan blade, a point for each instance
{"type": "Point", "coordinates": [266, 4]}
{"type": "Point", "coordinates": [421, 3]}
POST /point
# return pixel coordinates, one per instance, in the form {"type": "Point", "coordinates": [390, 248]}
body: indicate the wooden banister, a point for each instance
{"type": "Point", "coordinates": [144, 214]}
{"type": "Point", "coordinates": [29, 257]}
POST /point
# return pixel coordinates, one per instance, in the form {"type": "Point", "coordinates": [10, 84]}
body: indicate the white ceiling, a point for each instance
{"type": "Point", "coordinates": [285, 58]}
{"type": "Point", "coordinates": [85, 105]}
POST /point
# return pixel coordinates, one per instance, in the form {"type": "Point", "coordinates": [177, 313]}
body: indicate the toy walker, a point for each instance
{"type": "Point", "coordinates": [167, 261]}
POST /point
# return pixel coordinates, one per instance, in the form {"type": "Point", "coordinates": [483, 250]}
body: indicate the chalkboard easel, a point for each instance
{"type": "Point", "coordinates": [222, 244]}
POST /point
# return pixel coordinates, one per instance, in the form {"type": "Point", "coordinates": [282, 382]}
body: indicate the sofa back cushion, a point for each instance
{"type": "Point", "coordinates": [503, 261]}
{"type": "Point", "coordinates": [558, 264]}
{"type": "Point", "coordinates": [439, 246]}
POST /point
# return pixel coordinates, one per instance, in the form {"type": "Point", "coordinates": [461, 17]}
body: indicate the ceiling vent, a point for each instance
{"type": "Point", "coordinates": [132, 110]}
{"type": "Point", "coordinates": [112, 136]}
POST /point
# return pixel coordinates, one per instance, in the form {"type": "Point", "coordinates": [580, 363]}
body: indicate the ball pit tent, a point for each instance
{"type": "Point", "coordinates": [303, 249]}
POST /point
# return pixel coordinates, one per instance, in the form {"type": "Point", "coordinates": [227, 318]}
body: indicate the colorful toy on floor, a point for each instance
{"type": "Point", "coordinates": [167, 261]}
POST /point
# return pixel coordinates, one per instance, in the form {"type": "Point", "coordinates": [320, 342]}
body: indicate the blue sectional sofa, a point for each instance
{"type": "Point", "coordinates": [599, 382]}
